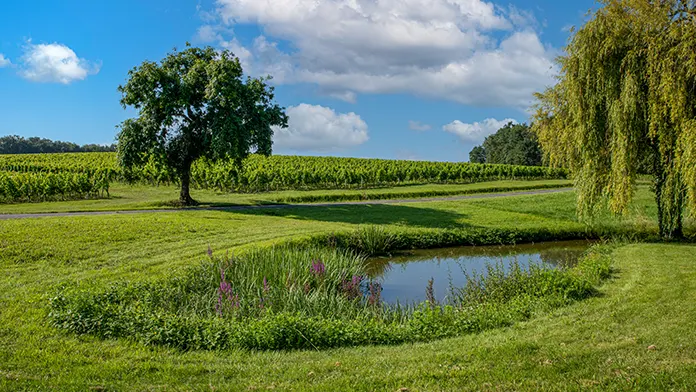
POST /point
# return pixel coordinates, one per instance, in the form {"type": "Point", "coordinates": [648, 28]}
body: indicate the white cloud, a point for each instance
{"type": "Point", "coordinates": [318, 128]}
{"type": "Point", "coordinates": [240, 51]}
{"type": "Point", "coordinates": [4, 61]}
{"type": "Point", "coordinates": [449, 49]}
{"type": "Point", "coordinates": [207, 34]}
{"type": "Point", "coordinates": [477, 131]}
{"type": "Point", "coordinates": [346, 96]}
{"type": "Point", "coordinates": [418, 126]}
{"type": "Point", "coordinates": [54, 63]}
{"type": "Point", "coordinates": [407, 155]}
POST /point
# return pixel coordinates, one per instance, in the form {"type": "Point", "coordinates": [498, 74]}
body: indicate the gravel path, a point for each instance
{"type": "Point", "coordinates": [269, 206]}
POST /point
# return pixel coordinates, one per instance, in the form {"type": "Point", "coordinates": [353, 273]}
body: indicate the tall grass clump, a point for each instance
{"type": "Point", "coordinates": [290, 297]}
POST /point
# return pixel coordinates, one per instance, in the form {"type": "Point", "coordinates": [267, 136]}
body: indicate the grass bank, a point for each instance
{"type": "Point", "coordinates": [289, 297]}
{"type": "Point", "coordinates": [600, 343]}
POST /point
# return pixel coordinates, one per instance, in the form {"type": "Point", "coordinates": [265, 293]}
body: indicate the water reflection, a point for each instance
{"type": "Point", "coordinates": [404, 277]}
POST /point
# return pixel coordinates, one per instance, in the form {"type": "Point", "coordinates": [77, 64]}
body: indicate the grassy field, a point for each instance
{"type": "Point", "coordinates": [601, 343]}
{"type": "Point", "coordinates": [127, 197]}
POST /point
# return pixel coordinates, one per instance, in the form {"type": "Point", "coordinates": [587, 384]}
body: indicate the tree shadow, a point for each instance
{"type": "Point", "coordinates": [374, 214]}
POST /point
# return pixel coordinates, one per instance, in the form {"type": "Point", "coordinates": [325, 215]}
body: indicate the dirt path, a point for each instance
{"type": "Point", "coordinates": [269, 206]}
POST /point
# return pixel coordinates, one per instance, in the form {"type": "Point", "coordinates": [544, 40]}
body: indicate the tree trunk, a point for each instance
{"type": "Point", "coordinates": [185, 194]}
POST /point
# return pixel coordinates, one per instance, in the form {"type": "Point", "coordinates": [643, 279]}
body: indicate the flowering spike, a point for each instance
{"type": "Point", "coordinates": [375, 293]}
{"type": "Point", "coordinates": [225, 292]}
{"type": "Point", "coordinates": [318, 268]}
{"type": "Point", "coordinates": [430, 293]}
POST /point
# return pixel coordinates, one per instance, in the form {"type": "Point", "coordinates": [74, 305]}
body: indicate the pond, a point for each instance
{"type": "Point", "coordinates": [404, 276]}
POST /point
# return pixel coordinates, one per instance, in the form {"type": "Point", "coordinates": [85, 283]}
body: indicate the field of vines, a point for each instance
{"type": "Point", "coordinates": [43, 186]}
{"type": "Point", "coordinates": [46, 176]}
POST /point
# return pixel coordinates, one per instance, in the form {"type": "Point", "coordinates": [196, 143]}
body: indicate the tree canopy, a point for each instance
{"type": "Point", "coordinates": [627, 94]}
{"type": "Point", "coordinates": [192, 104]}
{"type": "Point", "coordinates": [477, 155]}
{"type": "Point", "coordinates": [513, 144]}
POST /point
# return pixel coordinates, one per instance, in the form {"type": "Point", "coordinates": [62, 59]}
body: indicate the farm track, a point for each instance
{"type": "Point", "coordinates": [273, 206]}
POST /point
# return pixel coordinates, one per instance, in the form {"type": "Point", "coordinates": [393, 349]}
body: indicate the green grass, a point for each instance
{"type": "Point", "coordinates": [600, 343]}
{"type": "Point", "coordinates": [126, 197]}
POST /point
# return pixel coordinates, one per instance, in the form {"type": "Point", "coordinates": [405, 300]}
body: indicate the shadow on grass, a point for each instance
{"type": "Point", "coordinates": [376, 214]}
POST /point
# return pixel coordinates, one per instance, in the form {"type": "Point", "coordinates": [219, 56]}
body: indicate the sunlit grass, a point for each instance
{"type": "Point", "coordinates": [600, 343]}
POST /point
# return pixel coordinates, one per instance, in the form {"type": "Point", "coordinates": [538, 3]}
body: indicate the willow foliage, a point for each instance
{"type": "Point", "coordinates": [626, 93]}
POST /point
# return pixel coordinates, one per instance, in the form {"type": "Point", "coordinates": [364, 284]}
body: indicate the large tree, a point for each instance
{"type": "Point", "coordinates": [627, 94]}
{"type": "Point", "coordinates": [195, 103]}
{"type": "Point", "coordinates": [513, 144]}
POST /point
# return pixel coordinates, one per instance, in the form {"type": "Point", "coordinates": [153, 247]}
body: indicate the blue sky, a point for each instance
{"type": "Point", "coordinates": [408, 79]}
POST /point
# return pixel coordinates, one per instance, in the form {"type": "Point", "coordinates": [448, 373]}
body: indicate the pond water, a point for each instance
{"type": "Point", "coordinates": [404, 277]}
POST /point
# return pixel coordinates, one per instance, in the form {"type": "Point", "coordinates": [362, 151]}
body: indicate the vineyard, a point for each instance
{"type": "Point", "coordinates": [34, 177]}
{"type": "Point", "coordinates": [41, 186]}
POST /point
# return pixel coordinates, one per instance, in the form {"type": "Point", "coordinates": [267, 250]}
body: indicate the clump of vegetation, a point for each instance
{"type": "Point", "coordinates": [372, 240]}
{"type": "Point", "coordinates": [289, 297]}
{"type": "Point", "coordinates": [386, 240]}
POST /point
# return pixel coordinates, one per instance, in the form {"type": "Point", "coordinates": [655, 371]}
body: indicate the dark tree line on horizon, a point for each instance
{"type": "Point", "coordinates": [14, 144]}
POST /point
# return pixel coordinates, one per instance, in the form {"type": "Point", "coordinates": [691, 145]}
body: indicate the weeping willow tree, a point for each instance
{"type": "Point", "coordinates": [626, 94]}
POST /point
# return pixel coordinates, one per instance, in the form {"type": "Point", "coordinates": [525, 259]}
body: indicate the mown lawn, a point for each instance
{"type": "Point", "coordinates": [601, 343]}
{"type": "Point", "coordinates": [135, 197]}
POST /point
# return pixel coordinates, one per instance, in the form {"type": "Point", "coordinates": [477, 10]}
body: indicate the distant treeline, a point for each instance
{"type": "Point", "coordinates": [14, 144]}
{"type": "Point", "coordinates": [513, 144]}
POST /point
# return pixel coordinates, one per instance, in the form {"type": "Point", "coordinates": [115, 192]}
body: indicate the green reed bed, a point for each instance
{"type": "Point", "coordinates": [308, 297]}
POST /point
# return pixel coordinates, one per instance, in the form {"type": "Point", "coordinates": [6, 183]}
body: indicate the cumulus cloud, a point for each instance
{"type": "Point", "coordinates": [4, 62]}
{"type": "Point", "coordinates": [207, 34]}
{"type": "Point", "coordinates": [469, 51]}
{"type": "Point", "coordinates": [477, 131]}
{"type": "Point", "coordinates": [346, 96]}
{"type": "Point", "coordinates": [407, 155]}
{"type": "Point", "coordinates": [54, 63]}
{"type": "Point", "coordinates": [418, 126]}
{"type": "Point", "coordinates": [318, 129]}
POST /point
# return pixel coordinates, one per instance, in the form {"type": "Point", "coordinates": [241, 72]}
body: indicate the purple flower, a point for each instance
{"type": "Point", "coordinates": [210, 252]}
{"type": "Point", "coordinates": [225, 294]}
{"type": "Point", "coordinates": [375, 293]}
{"type": "Point", "coordinates": [357, 279]}
{"type": "Point", "coordinates": [351, 288]}
{"type": "Point", "coordinates": [318, 268]}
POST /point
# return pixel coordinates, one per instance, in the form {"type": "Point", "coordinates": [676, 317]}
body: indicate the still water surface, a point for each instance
{"type": "Point", "coordinates": [404, 277]}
